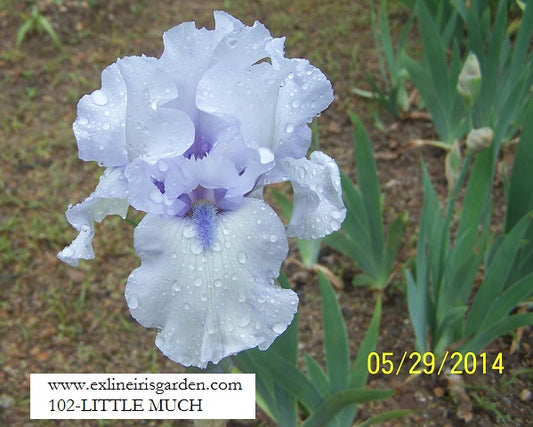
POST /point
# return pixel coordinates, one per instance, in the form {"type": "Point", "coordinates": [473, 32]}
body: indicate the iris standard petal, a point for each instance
{"type": "Point", "coordinates": [318, 206]}
{"type": "Point", "coordinates": [273, 104]}
{"type": "Point", "coordinates": [304, 93]}
{"type": "Point", "coordinates": [152, 128]}
{"type": "Point", "coordinates": [109, 198]}
{"type": "Point", "coordinates": [100, 126]}
{"type": "Point", "coordinates": [208, 284]}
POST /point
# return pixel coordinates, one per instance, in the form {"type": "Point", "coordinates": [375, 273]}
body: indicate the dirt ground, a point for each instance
{"type": "Point", "coordinates": [57, 319]}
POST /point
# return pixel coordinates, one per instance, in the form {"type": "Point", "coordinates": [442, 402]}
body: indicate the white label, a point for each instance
{"type": "Point", "coordinates": [142, 396]}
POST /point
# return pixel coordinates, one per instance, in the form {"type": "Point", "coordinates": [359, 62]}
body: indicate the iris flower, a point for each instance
{"type": "Point", "coordinates": [191, 139]}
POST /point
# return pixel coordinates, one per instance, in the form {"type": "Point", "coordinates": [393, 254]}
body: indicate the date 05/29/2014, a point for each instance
{"type": "Point", "coordinates": [416, 363]}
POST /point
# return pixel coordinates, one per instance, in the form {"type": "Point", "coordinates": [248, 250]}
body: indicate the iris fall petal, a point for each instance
{"type": "Point", "coordinates": [211, 302]}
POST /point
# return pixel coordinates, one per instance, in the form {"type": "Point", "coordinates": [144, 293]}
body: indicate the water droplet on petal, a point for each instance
{"type": "Point", "coordinates": [274, 238]}
{"type": "Point", "coordinates": [296, 103]}
{"type": "Point", "coordinates": [176, 288]}
{"type": "Point", "coordinates": [265, 155]}
{"type": "Point", "coordinates": [82, 121]}
{"type": "Point", "coordinates": [243, 319]}
{"type": "Point", "coordinates": [188, 231]}
{"type": "Point", "coordinates": [242, 297]}
{"type": "Point", "coordinates": [156, 196]}
{"type": "Point", "coordinates": [196, 248]}
{"type": "Point", "coordinates": [289, 128]}
{"type": "Point", "coordinates": [162, 166]}
{"type": "Point", "coordinates": [203, 298]}
{"type": "Point", "coordinates": [186, 306]}
{"type": "Point", "coordinates": [160, 340]}
{"type": "Point", "coordinates": [336, 214]}
{"type": "Point", "coordinates": [99, 97]}
{"type": "Point", "coordinates": [198, 282]}
{"type": "Point", "coordinates": [335, 225]}
{"type": "Point", "coordinates": [232, 42]}
{"type": "Point", "coordinates": [218, 283]}
{"type": "Point", "coordinates": [133, 302]}
{"type": "Point", "coordinates": [242, 257]}
{"type": "Point", "coordinates": [278, 328]}
{"type": "Point", "coordinates": [105, 126]}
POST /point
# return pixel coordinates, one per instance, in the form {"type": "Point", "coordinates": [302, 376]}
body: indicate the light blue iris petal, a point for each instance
{"type": "Point", "coordinates": [318, 206]}
{"type": "Point", "coordinates": [109, 198]}
{"type": "Point", "coordinates": [211, 302]}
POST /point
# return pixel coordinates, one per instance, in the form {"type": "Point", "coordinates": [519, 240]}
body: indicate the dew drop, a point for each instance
{"type": "Point", "coordinates": [186, 306]}
{"type": "Point", "coordinates": [243, 319]}
{"type": "Point", "coordinates": [289, 128]}
{"type": "Point", "coordinates": [105, 126]}
{"type": "Point", "coordinates": [232, 42]}
{"type": "Point", "coordinates": [176, 288]}
{"type": "Point", "coordinates": [278, 328]}
{"type": "Point", "coordinates": [82, 121]}
{"type": "Point", "coordinates": [99, 97]}
{"type": "Point", "coordinates": [198, 282]}
{"type": "Point", "coordinates": [160, 340]}
{"type": "Point", "coordinates": [162, 166]}
{"type": "Point", "coordinates": [274, 238]}
{"type": "Point", "coordinates": [242, 257]}
{"type": "Point", "coordinates": [242, 297]}
{"type": "Point", "coordinates": [301, 173]}
{"type": "Point", "coordinates": [188, 231]}
{"type": "Point", "coordinates": [336, 214]}
{"type": "Point", "coordinates": [265, 155]}
{"type": "Point", "coordinates": [335, 225]}
{"type": "Point", "coordinates": [218, 283]}
{"type": "Point", "coordinates": [196, 248]}
{"type": "Point", "coordinates": [203, 298]}
{"type": "Point", "coordinates": [296, 103]}
{"type": "Point", "coordinates": [156, 196]}
{"type": "Point", "coordinates": [133, 301]}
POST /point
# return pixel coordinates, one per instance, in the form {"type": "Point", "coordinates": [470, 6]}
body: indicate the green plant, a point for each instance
{"type": "Point", "coordinates": [446, 266]}
{"type": "Point", "coordinates": [362, 238]}
{"type": "Point", "coordinates": [36, 23]}
{"type": "Point", "coordinates": [327, 397]}
{"type": "Point", "coordinates": [393, 97]}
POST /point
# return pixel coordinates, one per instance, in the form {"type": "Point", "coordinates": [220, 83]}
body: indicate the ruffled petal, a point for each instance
{"type": "Point", "coordinates": [241, 46]}
{"type": "Point", "coordinates": [128, 116]}
{"type": "Point", "coordinates": [100, 126]}
{"type": "Point", "coordinates": [318, 206]}
{"type": "Point", "coordinates": [109, 198]}
{"type": "Point", "coordinates": [304, 93]}
{"type": "Point", "coordinates": [208, 284]}
{"type": "Point", "coordinates": [152, 128]}
{"type": "Point", "coordinates": [273, 102]}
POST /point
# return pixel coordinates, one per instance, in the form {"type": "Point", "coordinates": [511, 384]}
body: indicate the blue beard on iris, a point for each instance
{"type": "Point", "coordinates": [203, 216]}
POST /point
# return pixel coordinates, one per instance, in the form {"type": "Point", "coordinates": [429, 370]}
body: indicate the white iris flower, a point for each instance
{"type": "Point", "coordinates": [191, 139]}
